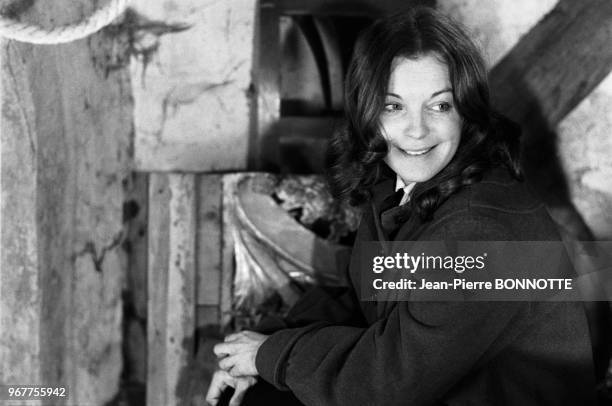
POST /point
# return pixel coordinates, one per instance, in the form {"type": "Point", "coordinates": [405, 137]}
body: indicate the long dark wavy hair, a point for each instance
{"type": "Point", "coordinates": [356, 151]}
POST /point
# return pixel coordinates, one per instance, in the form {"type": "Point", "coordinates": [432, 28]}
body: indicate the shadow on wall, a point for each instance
{"type": "Point", "coordinates": [543, 169]}
{"type": "Point", "coordinates": [545, 174]}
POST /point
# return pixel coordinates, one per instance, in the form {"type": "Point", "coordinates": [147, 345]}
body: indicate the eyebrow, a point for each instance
{"type": "Point", "coordinates": [448, 89]}
{"type": "Point", "coordinates": [434, 94]}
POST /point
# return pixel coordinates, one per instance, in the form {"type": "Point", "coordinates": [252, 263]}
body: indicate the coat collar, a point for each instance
{"type": "Point", "coordinates": [493, 188]}
{"type": "Point", "coordinates": [382, 191]}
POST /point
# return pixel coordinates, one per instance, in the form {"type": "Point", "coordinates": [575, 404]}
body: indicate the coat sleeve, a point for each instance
{"type": "Point", "coordinates": [335, 305]}
{"type": "Point", "coordinates": [398, 360]}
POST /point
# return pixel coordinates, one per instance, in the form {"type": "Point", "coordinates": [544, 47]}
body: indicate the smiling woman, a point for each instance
{"type": "Point", "coordinates": [418, 118]}
{"type": "Point", "coordinates": [427, 81]}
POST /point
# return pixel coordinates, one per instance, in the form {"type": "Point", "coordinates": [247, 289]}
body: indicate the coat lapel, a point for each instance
{"type": "Point", "coordinates": [380, 193]}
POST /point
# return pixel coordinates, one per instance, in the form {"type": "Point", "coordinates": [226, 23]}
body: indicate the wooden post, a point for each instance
{"type": "Point", "coordinates": [171, 310]}
{"type": "Point", "coordinates": [136, 217]}
{"type": "Point", "coordinates": [65, 127]}
{"type": "Point", "coordinates": [209, 249]}
{"type": "Point", "coordinates": [20, 290]}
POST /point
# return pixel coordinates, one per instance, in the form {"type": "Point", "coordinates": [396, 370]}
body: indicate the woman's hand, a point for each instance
{"type": "Point", "coordinates": [238, 351]}
{"type": "Point", "coordinates": [221, 380]}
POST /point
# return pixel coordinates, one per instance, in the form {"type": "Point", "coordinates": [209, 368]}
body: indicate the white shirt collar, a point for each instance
{"type": "Point", "coordinates": [399, 184]}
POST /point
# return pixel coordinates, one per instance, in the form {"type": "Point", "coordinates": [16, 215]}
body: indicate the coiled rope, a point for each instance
{"type": "Point", "coordinates": [36, 34]}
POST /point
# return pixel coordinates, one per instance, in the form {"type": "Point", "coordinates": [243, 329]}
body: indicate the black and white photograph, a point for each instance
{"type": "Point", "coordinates": [306, 202]}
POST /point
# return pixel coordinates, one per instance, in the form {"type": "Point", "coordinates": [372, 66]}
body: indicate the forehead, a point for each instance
{"type": "Point", "coordinates": [425, 74]}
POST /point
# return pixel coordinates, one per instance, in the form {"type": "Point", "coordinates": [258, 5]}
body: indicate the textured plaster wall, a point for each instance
{"type": "Point", "coordinates": [584, 142]}
{"type": "Point", "coordinates": [192, 96]}
{"type": "Point", "coordinates": [497, 24]}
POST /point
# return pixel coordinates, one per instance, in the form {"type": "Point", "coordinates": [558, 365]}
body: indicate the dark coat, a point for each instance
{"type": "Point", "coordinates": [337, 350]}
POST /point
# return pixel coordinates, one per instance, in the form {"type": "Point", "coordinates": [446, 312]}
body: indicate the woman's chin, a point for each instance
{"type": "Point", "coordinates": [417, 177]}
{"type": "Point", "coordinates": [415, 171]}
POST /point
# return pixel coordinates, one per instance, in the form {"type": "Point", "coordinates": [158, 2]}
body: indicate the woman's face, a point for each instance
{"type": "Point", "coordinates": [419, 121]}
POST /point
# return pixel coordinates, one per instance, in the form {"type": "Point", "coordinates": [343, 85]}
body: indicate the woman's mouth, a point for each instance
{"type": "Point", "coordinates": [416, 152]}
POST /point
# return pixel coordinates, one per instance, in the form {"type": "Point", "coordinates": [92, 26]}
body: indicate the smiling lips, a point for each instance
{"type": "Point", "coordinates": [416, 152]}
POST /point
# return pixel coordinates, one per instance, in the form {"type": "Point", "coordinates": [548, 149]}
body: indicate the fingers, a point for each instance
{"type": "Point", "coordinates": [227, 363]}
{"type": "Point", "coordinates": [232, 337]}
{"type": "Point", "coordinates": [235, 366]}
{"type": "Point", "coordinates": [238, 341]}
{"type": "Point", "coordinates": [242, 385]}
{"type": "Point", "coordinates": [222, 349]}
{"type": "Point", "coordinates": [229, 347]}
{"type": "Point", "coordinates": [220, 381]}
{"type": "Point", "coordinates": [238, 395]}
{"type": "Point", "coordinates": [246, 334]}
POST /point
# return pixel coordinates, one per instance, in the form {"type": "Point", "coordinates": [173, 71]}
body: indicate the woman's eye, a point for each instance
{"type": "Point", "coordinates": [392, 107]}
{"type": "Point", "coordinates": [442, 106]}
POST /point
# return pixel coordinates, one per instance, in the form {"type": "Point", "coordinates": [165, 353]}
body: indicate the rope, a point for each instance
{"type": "Point", "coordinates": [36, 34]}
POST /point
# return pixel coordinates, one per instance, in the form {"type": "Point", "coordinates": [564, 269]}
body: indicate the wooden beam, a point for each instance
{"type": "Point", "coordinates": [556, 64]}
{"type": "Point", "coordinates": [21, 292]}
{"type": "Point", "coordinates": [209, 239]}
{"type": "Point", "coordinates": [65, 128]}
{"type": "Point", "coordinates": [135, 215]}
{"type": "Point", "coordinates": [171, 310]}
{"type": "Point", "coordinates": [157, 309]}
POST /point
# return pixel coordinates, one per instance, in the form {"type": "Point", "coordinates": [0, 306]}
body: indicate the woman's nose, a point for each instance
{"type": "Point", "coordinates": [415, 126]}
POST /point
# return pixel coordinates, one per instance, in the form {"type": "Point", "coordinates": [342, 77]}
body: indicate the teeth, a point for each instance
{"type": "Point", "coordinates": [416, 153]}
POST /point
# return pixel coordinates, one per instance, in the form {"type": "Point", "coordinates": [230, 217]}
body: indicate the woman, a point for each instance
{"type": "Point", "coordinates": [419, 122]}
